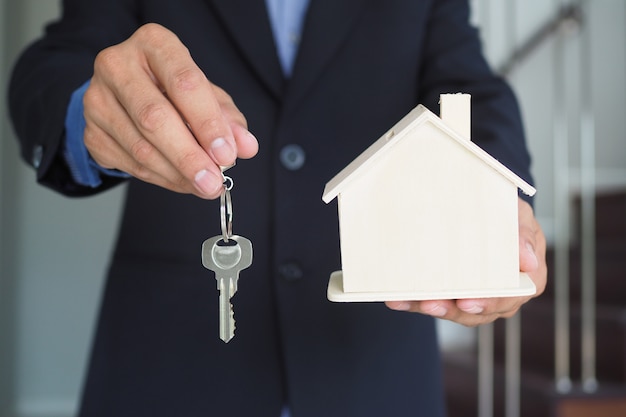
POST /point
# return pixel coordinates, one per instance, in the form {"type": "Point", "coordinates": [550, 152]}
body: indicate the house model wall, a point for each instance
{"type": "Point", "coordinates": [424, 213]}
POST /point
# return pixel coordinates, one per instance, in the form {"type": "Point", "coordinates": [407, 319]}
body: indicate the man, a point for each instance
{"type": "Point", "coordinates": [168, 92]}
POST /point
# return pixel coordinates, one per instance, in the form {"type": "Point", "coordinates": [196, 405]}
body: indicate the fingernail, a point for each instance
{"type": "Point", "coordinates": [438, 311]}
{"type": "Point", "coordinates": [472, 309]}
{"type": "Point", "coordinates": [531, 252]}
{"type": "Point", "coordinates": [251, 136]}
{"type": "Point", "coordinates": [207, 183]}
{"type": "Point", "coordinates": [401, 306]}
{"type": "Point", "coordinates": [222, 151]}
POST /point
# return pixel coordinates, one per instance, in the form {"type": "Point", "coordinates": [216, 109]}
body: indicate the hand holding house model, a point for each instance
{"type": "Point", "coordinates": [424, 213]}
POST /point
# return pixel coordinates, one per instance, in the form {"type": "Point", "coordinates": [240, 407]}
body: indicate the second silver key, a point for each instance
{"type": "Point", "coordinates": [227, 259]}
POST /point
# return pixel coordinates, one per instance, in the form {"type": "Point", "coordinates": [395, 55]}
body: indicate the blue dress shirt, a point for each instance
{"type": "Point", "coordinates": [286, 18]}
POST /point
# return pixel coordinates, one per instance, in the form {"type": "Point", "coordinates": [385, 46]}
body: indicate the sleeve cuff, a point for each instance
{"type": "Point", "coordinates": [85, 171]}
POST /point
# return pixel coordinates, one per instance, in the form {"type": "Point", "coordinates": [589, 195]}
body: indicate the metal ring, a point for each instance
{"type": "Point", "coordinates": [228, 182]}
{"type": "Point", "coordinates": [226, 214]}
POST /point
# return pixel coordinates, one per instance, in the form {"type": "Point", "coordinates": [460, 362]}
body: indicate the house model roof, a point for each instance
{"type": "Point", "coordinates": [403, 131]}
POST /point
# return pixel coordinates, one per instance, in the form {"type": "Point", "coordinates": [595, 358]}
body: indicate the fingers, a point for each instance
{"type": "Point", "coordinates": [468, 312]}
{"type": "Point", "coordinates": [247, 144]}
{"type": "Point", "coordinates": [199, 104]}
{"type": "Point", "coordinates": [134, 155]}
{"type": "Point", "coordinates": [151, 112]}
{"type": "Point", "coordinates": [532, 244]}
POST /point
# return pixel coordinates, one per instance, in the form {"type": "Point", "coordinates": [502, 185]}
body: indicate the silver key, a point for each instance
{"type": "Point", "coordinates": [226, 259]}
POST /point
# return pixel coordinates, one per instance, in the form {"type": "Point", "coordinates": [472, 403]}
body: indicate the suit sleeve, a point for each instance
{"type": "Point", "coordinates": [454, 62]}
{"type": "Point", "coordinates": [49, 71]}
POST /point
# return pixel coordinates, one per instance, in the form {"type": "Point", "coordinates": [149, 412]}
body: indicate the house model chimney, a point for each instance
{"type": "Point", "coordinates": [456, 113]}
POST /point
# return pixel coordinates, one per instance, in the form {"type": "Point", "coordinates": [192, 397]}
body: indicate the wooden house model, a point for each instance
{"type": "Point", "coordinates": [424, 213]}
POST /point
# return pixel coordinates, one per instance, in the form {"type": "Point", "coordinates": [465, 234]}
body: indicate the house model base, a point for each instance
{"type": "Point", "coordinates": [337, 294]}
{"type": "Point", "coordinates": [425, 213]}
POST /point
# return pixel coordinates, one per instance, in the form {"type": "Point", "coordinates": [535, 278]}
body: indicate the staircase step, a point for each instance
{"type": "Point", "coordinates": [610, 216]}
{"type": "Point", "coordinates": [610, 274]}
{"type": "Point", "coordinates": [538, 397]}
{"type": "Point", "coordinates": [537, 352]}
{"type": "Point", "coordinates": [610, 251]}
{"type": "Point", "coordinates": [602, 407]}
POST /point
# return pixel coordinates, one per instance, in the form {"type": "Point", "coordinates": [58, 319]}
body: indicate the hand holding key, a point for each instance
{"type": "Point", "coordinates": [151, 112]}
{"type": "Point", "coordinates": [226, 255]}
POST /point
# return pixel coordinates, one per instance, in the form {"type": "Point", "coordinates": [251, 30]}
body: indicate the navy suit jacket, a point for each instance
{"type": "Point", "coordinates": [361, 66]}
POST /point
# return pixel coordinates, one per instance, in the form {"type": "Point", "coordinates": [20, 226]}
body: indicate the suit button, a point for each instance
{"type": "Point", "coordinates": [37, 156]}
{"type": "Point", "coordinates": [290, 271]}
{"type": "Point", "coordinates": [292, 157]}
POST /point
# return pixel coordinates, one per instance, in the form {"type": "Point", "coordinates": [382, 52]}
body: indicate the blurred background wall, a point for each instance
{"type": "Point", "coordinates": [51, 272]}
{"type": "Point", "coordinates": [52, 258]}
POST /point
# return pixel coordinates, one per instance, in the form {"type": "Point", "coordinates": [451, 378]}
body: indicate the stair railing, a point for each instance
{"type": "Point", "coordinates": [562, 208]}
{"type": "Point", "coordinates": [562, 215]}
{"type": "Point", "coordinates": [588, 214]}
{"type": "Point", "coordinates": [567, 20]}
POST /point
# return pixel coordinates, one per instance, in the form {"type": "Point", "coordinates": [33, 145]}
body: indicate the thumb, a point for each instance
{"type": "Point", "coordinates": [528, 261]}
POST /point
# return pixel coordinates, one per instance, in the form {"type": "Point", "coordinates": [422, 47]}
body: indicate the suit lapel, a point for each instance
{"type": "Point", "coordinates": [248, 23]}
{"type": "Point", "coordinates": [327, 24]}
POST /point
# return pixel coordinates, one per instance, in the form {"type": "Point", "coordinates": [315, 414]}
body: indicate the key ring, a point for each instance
{"type": "Point", "coordinates": [226, 209]}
